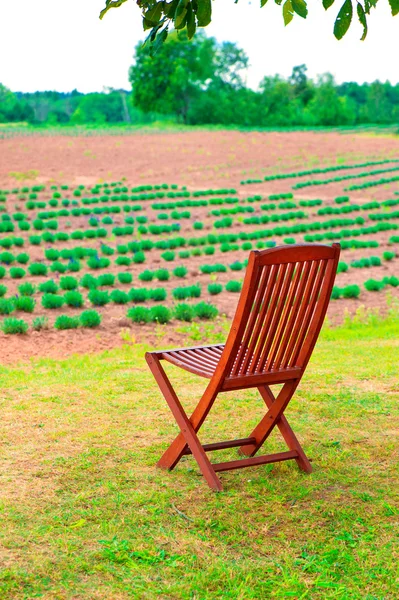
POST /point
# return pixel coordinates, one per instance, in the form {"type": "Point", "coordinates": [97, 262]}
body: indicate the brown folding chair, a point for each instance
{"type": "Point", "coordinates": [279, 315]}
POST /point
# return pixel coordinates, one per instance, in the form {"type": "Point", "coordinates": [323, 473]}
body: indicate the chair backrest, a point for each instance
{"type": "Point", "coordinates": [281, 309]}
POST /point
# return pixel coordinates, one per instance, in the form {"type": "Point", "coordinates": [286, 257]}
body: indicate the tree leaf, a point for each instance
{"type": "Point", "coordinates": [300, 8]}
{"type": "Point", "coordinates": [394, 4]}
{"type": "Point", "coordinates": [191, 24]}
{"type": "Point", "coordinates": [262, 3]}
{"type": "Point", "coordinates": [111, 4]}
{"type": "Point", "coordinates": [278, 2]}
{"type": "Point", "coordinates": [343, 20]}
{"type": "Point", "coordinates": [288, 12]}
{"type": "Point", "coordinates": [327, 3]}
{"type": "Point", "coordinates": [363, 20]}
{"type": "Point", "coordinates": [204, 13]}
{"type": "Point", "coordinates": [180, 14]}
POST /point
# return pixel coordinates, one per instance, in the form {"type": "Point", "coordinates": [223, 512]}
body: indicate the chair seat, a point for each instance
{"type": "Point", "coordinates": [203, 360]}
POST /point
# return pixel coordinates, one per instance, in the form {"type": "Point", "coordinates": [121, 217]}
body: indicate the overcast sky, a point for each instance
{"type": "Point", "coordinates": [62, 44]}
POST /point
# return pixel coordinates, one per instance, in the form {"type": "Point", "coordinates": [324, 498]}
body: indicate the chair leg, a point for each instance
{"type": "Point", "coordinates": [289, 436]}
{"type": "Point", "coordinates": [271, 419]}
{"type": "Point", "coordinates": [188, 434]}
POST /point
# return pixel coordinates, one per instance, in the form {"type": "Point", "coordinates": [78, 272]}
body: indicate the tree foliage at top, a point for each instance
{"type": "Point", "coordinates": [187, 15]}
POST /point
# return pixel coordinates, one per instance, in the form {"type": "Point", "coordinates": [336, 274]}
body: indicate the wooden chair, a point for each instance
{"type": "Point", "coordinates": [279, 315]}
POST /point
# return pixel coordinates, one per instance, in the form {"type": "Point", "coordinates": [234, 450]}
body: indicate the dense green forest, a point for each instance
{"type": "Point", "coordinates": [202, 82]}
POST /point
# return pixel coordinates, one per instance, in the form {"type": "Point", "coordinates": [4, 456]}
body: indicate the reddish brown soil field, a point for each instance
{"type": "Point", "coordinates": [199, 160]}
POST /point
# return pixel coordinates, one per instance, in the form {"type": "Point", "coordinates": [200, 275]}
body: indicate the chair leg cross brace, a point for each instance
{"type": "Point", "coordinates": [187, 442]}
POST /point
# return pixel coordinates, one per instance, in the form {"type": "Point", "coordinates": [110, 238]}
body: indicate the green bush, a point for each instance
{"type": "Point", "coordinates": [90, 318]}
{"type": "Point", "coordinates": [342, 267]}
{"type": "Point", "coordinates": [125, 277]}
{"type": "Point", "coordinates": [119, 297]}
{"type": "Point", "coordinates": [66, 322]}
{"type": "Point", "coordinates": [68, 283]}
{"type": "Point", "coordinates": [204, 310]}
{"type": "Point", "coordinates": [138, 295]}
{"type": "Point", "coordinates": [351, 291]}
{"type": "Point", "coordinates": [98, 263]}
{"type": "Point", "coordinates": [160, 314]}
{"type": "Point", "coordinates": [106, 279]}
{"type": "Point", "coordinates": [388, 255]}
{"type": "Point", "coordinates": [3, 290]}
{"type": "Point", "coordinates": [146, 275]}
{"type": "Point", "coordinates": [26, 289]}
{"type": "Point", "coordinates": [372, 285]}
{"type": "Point", "coordinates": [162, 274]}
{"type": "Point", "coordinates": [74, 298]}
{"type": "Point", "coordinates": [336, 293]}
{"type": "Point", "coordinates": [168, 255]}
{"type": "Point", "coordinates": [98, 297]}
{"type": "Point", "coordinates": [12, 325]}
{"type": "Point", "coordinates": [180, 271]}
{"type": "Point", "coordinates": [22, 258]}
{"type": "Point", "coordinates": [89, 282]}
{"type": "Point", "coordinates": [215, 288]}
{"type": "Point", "coordinates": [17, 273]}
{"type": "Point", "coordinates": [375, 261]}
{"type": "Point", "coordinates": [2, 272]}
{"type": "Point", "coordinates": [48, 287]}
{"type": "Point", "coordinates": [139, 314]}
{"type": "Point", "coordinates": [40, 323]}
{"type": "Point", "coordinates": [25, 303]}
{"type": "Point", "coordinates": [233, 286]}
{"type": "Point", "coordinates": [51, 254]}
{"type": "Point", "coordinates": [184, 312]}
{"type": "Point", "coordinates": [58, 267]}
{"type": "Point", "coordinates": [157, 294]}
{"type": "Point", "coordinates": [138, 257]}
{"type": "Point", "coordinates": [52, 301]}
{"type": "Point", "coordinates": [7, 306]}
{"type": "Point", "coordinates": [123, 261]}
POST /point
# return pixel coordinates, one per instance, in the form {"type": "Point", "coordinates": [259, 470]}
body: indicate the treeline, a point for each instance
{"type": "Point", "coordinates": [203, 82]}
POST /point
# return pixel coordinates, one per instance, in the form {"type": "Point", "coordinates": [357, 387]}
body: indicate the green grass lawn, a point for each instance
{"type": "Point", "coordinates": [86, 515]}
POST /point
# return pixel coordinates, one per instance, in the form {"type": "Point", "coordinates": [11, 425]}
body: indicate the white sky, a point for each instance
{"type": "Point", "coordinates": [62, 45]}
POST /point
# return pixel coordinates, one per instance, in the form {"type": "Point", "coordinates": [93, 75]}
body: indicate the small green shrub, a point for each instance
{"type": "Point", "coordinates": [204, 310]}
{"type": "Point", "coordinates": [98, 297]}
{"type": "Point", "coordinates": [58, 267]}
{"type": "Point", "coordinates": [146, 275]}
{"type": "Point", "coordinates": [17, 273]}
{"type": "Point", "coordinates": [162, 274]}
{"type": "Point", "coordinates": [25, 303]}
{"type": "Point", "coordinates": [74, 298]}
{"type": "Point", "coordinates": [138, 295]}
{"type": "Point", "coordinates": [139, 314]}
{"type": "Point", "coordinates": [372, 285]}
{"type": "Point", "coordinates": [90, 318]}
{"type": "Point", "coordinates": [234, 286]}
{"type": "Point", "coordinates": [350, 291]}
{"type": "Point", "coordinates": [49, 287]}
{"type": "Point", "coordinates": [7, 306]}
{"type": "Point", "coordinates": [119, 297]}
{"type": "Point", "coordinates": [157, 294]}
{"type": "Point", "coordinates": [66, 322]}
{"type": "Point", "coordinates": [106, 279]}
{"type": "Point", "coordinates": [96, 262]}
{"type": "Point", "coordinates": [22, 258]}
{"type": "Point", "coordinates": [125, 277]}
{"type": "Point", "coordinates": [68, 283]}
{"type": "Point", "coordinates": [3, 290]}
{"type": "Point", "coordinates": [40, 323]}
{"type": "Point", "coordinates": [2, 272]}
{"type": "Point", "coordinates": [52, 301]}
{"type": "Point", "coordinates": [388, 255]}
{"type": "Point", "coordinates": [168, 255]}
{"type": "Point", "coordinates": [184, 312]}
{"type": "Point", "coordinates": [139, 257]}
{"type": "Point", "coordinates": [26, 289]}
{"type": "Point", "coordinates": [160, 314]}
{"type": "Point", "coordinates": [215, 288]}
{"type": "Point", "coordinates": [14, 326]}
{"type": "Point", "coordinates": [180, 271]}
{"type": "Point", "coordinates": [123, 261]}
{"type": "Point", "coordinates": [342, 267]}
{"type": "Point", "coordinates": [89, 282]}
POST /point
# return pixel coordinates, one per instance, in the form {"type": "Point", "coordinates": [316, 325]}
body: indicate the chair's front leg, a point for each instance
{"type": "Point", "coordinates": [271, 419]}
{"type": "Point", "coordinates": [287, 432]}
{"type": "Point", "coordinates": [188, 434]}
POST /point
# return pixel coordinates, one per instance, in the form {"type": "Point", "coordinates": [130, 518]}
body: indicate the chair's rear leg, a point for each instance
{"type": "Point", "coordinates": [187, 430]}
{"type": "Point", "coordinates": [271, 419]}
{"type": "Point", "coordinates": [286, 431]}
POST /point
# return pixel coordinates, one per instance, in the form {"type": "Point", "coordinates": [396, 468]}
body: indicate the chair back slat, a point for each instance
{"type": "Point", "coordinates": [281, 309]}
